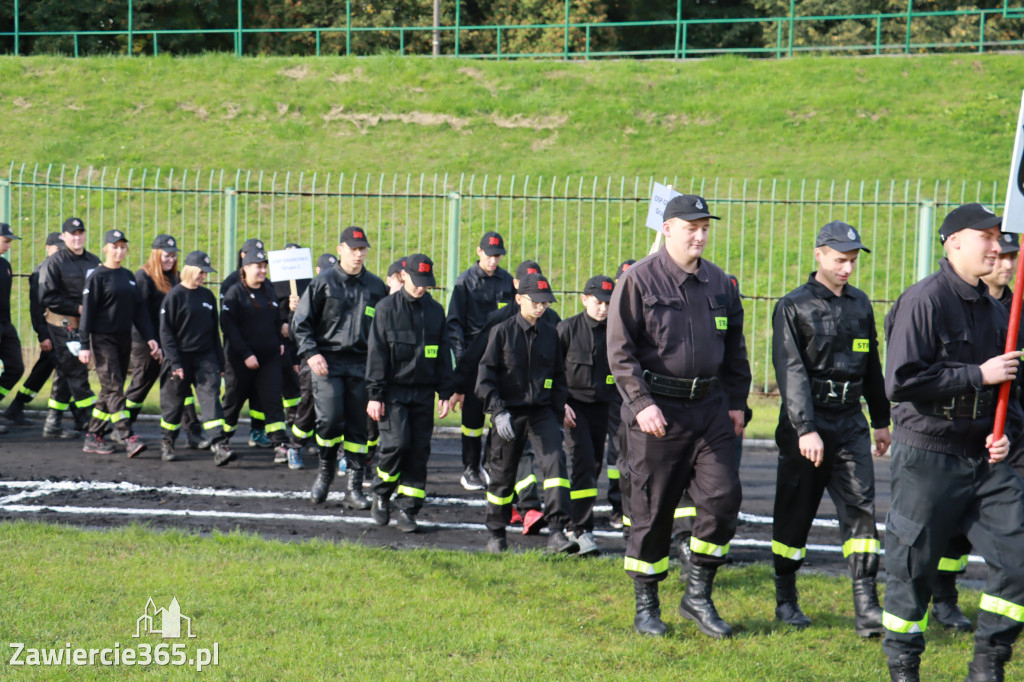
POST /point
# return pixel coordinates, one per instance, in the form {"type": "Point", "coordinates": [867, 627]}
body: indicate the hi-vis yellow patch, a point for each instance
{"type": "Point", "coordinates": [501, 304]}
{"type": "Point", "coordinates": [369, 311]}
{"type": "Point", "coordinates": [430, 351]}
{"type": "Point", "coordinates": [860, 346]}
{"type": "Point", "coordinates": [609, 379]}
{"type": "Point", "coordinates": [721, 323]}
{"type": "Point", "coordinates": [548, 383]}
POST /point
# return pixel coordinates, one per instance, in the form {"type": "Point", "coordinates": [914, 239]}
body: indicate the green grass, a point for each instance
{"type": "Point", "coordinates": [947, 117]}
{"type": "Point", "coordinates": [317, 610]}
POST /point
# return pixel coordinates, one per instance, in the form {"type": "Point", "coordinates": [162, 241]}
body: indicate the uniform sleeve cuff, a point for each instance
{"type": "Point", "coordinates": [640, 403]}
{"type": "Point", "coordinates": [805, 428]}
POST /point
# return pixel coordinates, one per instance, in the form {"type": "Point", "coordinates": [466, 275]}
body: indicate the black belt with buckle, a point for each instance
{"type": "Point", "coordinates": [688, 389]}
{"type": "Point", "coordinates": [829, 392]}
{"type": "Point", "coordinates": [978, 405]}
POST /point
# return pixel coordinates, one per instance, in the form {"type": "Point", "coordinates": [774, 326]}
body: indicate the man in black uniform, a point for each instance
{"type": "Point", "coordinates": [676, 350]}
{"type": "Point", "coordinates": [408, 360]}
{"type": "Point", "coordinates": [616, 436]}
{"type": "Point", "coordinates": [331, 325]}
{"type": "Point", "coordinates": [477, 293]}
{"type": "Point", "coordinates": [825, 353]}
{"type": "Point", "coordinates": [521, 383]}
{"type": "Point", "coordinates": [61, 282]}
{"type": "Point", "coordinates": [944, 364]}
{"type": "Point", "coordinates": [43, 368]}
{"type": "Point", "coordinates": [10, 344]}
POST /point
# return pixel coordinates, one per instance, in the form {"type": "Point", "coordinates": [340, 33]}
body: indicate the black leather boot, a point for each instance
{"type": "Point", "coordinates": [697, 606]}
{"type": "Point", "coordinates": [945, 607]}
{"type": "Point", "coordinates": [381, 511]}
{"type": "Point", "coordinates": [787, 607]}
{"type": "Point", "coordinates": [867, 618]}
{"type": "Point", "coordinates": [905, 669]}
{"type": "Point", "coordinates": [987, 667]}
{"type": "Point", "coordinates": [324, 477]}
{"type": "Point", "coordinates": [354, 497]}
{"type": "Point", "coordinates": [15, 412]}
{"type": "Point", "coordinates": [648, 610]}
{"type": "Point", "coordinates": [52, 427]}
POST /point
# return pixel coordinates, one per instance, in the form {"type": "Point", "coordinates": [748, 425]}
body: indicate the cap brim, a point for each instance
{"type": "Point", "coordinates": [1008, 248]}
{"type": "Point", "coordinates": [603, 296]}
{"type": "Point", "coordinates": [169, 249]}
{"type": "Point", "coordinates": [694, 216]}
{"type": "Point", "coordinates": [206, 268]}
{"type": "Point", "coordinates": [355, 243]}
{"type": "Point", "coordinates": [987, 222]}
{"type": "Point", "coordinates": [843, 247]}
{"type": "Point", "coordinates": [542, 297]}
{"type": "Point", "coordinates": [12, 236]}
{"type": "Point", "coordinates": [422, 280]}
{"type": "Point", "coordinates": [494, 250]}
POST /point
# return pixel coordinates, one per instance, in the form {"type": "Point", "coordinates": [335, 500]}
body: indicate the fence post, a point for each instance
{"type": "Point", "coordinates": [5, 206]}
{"type": "Point", "coordinates": [792, 25]}
{"type": "Point", "coordinates": [925, 238]}
{"type": "Point", "coordinates": [131, 26]}
{"type": "Point", "coordinates": [238, 36]}
{"type": "Point", "coordinates": [452, 269]}
{"type": "Point", "coordinates": [230, 232]}
{"type": "Point", "coordinates": [566, 29]}
{"type": "Point", "coordinates": [16, 29]}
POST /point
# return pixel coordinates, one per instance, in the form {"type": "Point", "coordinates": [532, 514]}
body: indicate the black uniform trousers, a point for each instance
{"type": "Point", "coordinates": [110, 355]}
{"type": "Point", "coordinates": [202, 370]}
{"type": "Point", "coordinates": [304, 424]}
{"type": "Point", "coordinates": [291, 392]}
{"type": "Point", "coordinates": [145, 371]}
{"type": "Point", "coordinates": [74, 373]}
{"type": "Point", "coordinates": [527, 496]}
{"type": "Point", "coordinates": [846, 471]}
{"type": "Point", "coordinates": [611, 454]}
{"type": "Point", "coordinates": [37, 376]}
{"type": "Point", "coordinates": [405, 446]}
{"type": "Point", "coordinates": [264, 382]}
{"type": "Point", "coordinates": [472, 430]}
{"type": "Point", "coordinates": [584, 447]}
{"type": "Point", "coordinates": [696, 453]}
{"type": "Point", "coordinates": [10, 354]}
{"type": "Point", "coordinates": [935, 496]}
{"type": "Point", "coordinates": [541, 426]}
{"type": "Point", "coordinates": [340, 401]}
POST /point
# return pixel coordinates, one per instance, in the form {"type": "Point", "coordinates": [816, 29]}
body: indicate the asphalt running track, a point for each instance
{"type": "Point", "coordinates": [55, 482]}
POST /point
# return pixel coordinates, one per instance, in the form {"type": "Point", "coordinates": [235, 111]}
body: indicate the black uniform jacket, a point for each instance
{"type": "Point", "coordinates": [408, 346]}
{"type": "Point", "coordinates": [188, 324]}
{"type": "Point", "coordinates": [468, 365]}
{"type": "Point", "coordinates": [667, 321]}
{"type": "Point", "coordinates": [35, 308]}
{"type": "Point", "coordinates": [522, 367]}
{"type": "Point", "coordinates": [475, 296]}
{"type": "Point", "coordinates": [249, 319]}
{"type": "Point", "coordinates": [152, 299]}
{"type": "Point", "coordinates": [582, 339]}
{"type": "Point", "coordinates": [112, 304]}
{"type": "Point", "coordinates": [818, 335]}
{"type": "Point", "coordinates": [939, 332]}
{"type": "Point", "coordinates": [62, 280]}
{"type": "Point", "coordinates": [6, 282]}
{"type": "Point", "coordinates": [335, 312]}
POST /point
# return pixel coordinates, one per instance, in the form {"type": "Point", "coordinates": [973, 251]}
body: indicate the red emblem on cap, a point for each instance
{"type": "Point", "coordinates": [357, 234]}
{"type": "Point", "coordinates": [626, 266]}
{"type": "Point", "coordinates": [542, 285]}
{"type": "Point", "coordinates": [607, 286]}
{"type": "Point", "coordinates": [494, 241]}
{"type": "Point", "coordinates": [532, 271]}
{"type": "Point", "coordinates": [424, 267]}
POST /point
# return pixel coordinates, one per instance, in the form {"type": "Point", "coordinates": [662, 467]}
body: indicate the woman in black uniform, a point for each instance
{"type": "Point", "coordinates": [249, 318]}
{"type": "Point", "coordinates": [111, 306]}
{"type": "Point", "coordinates": [193, 356]}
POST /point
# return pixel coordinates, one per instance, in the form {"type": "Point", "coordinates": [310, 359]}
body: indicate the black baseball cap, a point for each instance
{"type": "Point", "coordinates": [114, 236]}
{"type": "Point", "coordinates": [537, 288]}
{"type": "Point", "coordinates": [736, 283]}
{"type": "Point", "coordinates": [1009, 242]}
{"type": "Point", "coordinates": [6, 231]}
{"type": "Point", "coordinates": [53, 239]}
{"type": "Point", "coordinates": [420, 269]}
{"type": "Point", "coordinates": [292, 245]}
{"type": "Point", "coordinates": [73, 225]}
{"type": "Point", "coordinates": [165, 243]}
{"type": "Point", "coordinates": [528, 267]}
{"type": "Point", "coordinates": [687, 207]}
{"type": "Point", "coordinates": [251, 257]}
{"type": "Point", "coordinates": [492, 244]}
{"type": "Point", "coordinates": [839, 236]}
{"type": "Point", "coordinates": [397, 266]}
{"type": "Point", "coordinates": [968, 217]}
{"type": "Point", "coordinates": [600, 287]}
{"type": "Point", "coordinates": [200, 260]}
{"type": "Point", "coordinates": [326, 261]}
{"type": "Point", "coordinates": [626, 264]}
{"type": "Point", "coordinates": [254, 244]}
{"type": "Point", "coordinates": [354, 237]}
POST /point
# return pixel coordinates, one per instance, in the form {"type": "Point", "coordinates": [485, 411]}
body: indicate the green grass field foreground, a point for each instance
{"type": "Point", "coordinates": [318, 611]}
{"type": "Point", "coordinates": [946, 118]}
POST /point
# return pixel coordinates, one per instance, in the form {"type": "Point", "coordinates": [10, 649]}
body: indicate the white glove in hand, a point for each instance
{"type": "Point", "coordinates": [503, 423]}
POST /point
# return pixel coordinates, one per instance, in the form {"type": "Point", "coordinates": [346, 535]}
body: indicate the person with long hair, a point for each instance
{"type": "Point", "coordinates": [154, 279]}
{"type": "Point", "coordinates": [111, 306]}
{"type": "Point", "coordinates": [249, 319]}
{"type": "Point", "coordinates": [193, 357]}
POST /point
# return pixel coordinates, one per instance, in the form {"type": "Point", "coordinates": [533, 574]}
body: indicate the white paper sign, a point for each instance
{"type": "Point", "coordinates": [661, 195]}
{"type": "Point", "coordinates": [1013, 211]}
{"type": "Point", "coordinates": [290, 264]}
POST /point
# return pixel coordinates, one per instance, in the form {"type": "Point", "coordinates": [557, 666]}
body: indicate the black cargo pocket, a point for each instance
{"type": "Point", "coordinates": [719, 315]}
{"type": "Point", "coordinates": [900, 559]}
{"type": "Point", "coordinates": [403, 344]}
{"type": "Point", "coordinates": [953, 341]}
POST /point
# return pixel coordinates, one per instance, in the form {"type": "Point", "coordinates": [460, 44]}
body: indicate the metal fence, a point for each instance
{"type": "Point", "coordinates": [891, 33]}
{"type": "Point", "coordinates": [574, 227]}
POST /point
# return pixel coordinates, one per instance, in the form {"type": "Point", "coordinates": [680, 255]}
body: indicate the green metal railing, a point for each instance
{"type": "Point", "coordinates": [574, 227]}
{"type": "Point", "coordinates": [785, 29]}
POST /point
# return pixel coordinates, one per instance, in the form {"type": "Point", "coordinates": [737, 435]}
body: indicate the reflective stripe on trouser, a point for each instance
{"type": "Point", "coordinates": [405, 448]}
{"type": "Point", "coordinates": [472, 430]}
{"type": "Point", "coordinates": [145, 373]}
{"type": "Point", "coordinates": [954, 558]}
{"type": "Point", "coordinates": [262, 386]}
{"type": "Point", "coordinates": [584, 449]}
{"type": "Point", "coordinates": [847, 472]}
{"type": "Point", "coordinates": [71, 370]}
{"type": "Point", "coordinates": [697, 452]}
{"type": "Point", "coordinates": [934, 494]}
{"type": "Point", "coordinates": [958, 565]}
{"type": "Point", "coordinates": [111, 355]}
{"type": "Point", "coordinates": [340, 402]}
{"type": "Point", "coordinates": [202, 371]}
{"type": "Point", "coordinates": [541, 427]}
{"type": "Point", "coordinates": [10, 355]}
